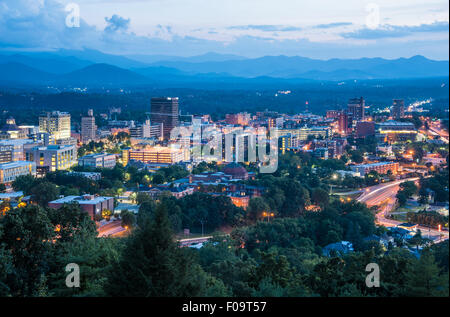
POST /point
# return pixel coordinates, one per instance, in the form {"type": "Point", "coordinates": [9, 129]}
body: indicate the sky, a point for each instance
{"type": "Point", "coordinates": [321, 29]}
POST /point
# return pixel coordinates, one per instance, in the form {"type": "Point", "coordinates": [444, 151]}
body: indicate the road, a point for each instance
{"type": "Point", "coordinates": [384, 195]}
{"type": "Point", "coordinates": [111, 229]}
{"type": "Point", "coordinates": [436, 128]}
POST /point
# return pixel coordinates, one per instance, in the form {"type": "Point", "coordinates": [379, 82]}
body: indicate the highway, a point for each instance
{"type": "Point", "coordinates": [384, 195]}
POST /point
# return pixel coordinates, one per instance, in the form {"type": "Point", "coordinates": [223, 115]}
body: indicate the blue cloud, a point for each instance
{"type": "Point", "coordinates": [393, 31]}
{"type": "Point", "coordinates": [266, 28]}
{"type": "Point", "coordinates": [116, 23]}
{"type": "Point", "coordinates": [332, 25]}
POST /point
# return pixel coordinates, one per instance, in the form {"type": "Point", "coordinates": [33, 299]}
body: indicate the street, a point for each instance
{"type": "Point", "coordinates": [384, 195]}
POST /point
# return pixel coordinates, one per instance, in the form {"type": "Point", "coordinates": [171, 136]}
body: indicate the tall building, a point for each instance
{"type": "Point", "coordinates": [343, 123]}
{"type": "Point", "coordinates": [88, 127]}
{"type": "Point", "coordinates": [398, 109]}
{"type": "Point", "coordinates": [165, 110]}
{"type": "Point", "coordinates": [55, 123]}
{"type": "Point", "coordinates": [355, 108]}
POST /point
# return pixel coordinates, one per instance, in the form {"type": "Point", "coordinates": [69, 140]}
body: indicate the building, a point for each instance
{"type": "Point", "coordinates": [317, 132]}
{"type": "Point", "coordinates": [11, 131]}
{"type": "Point", "coordinates": [164, 110]}
{"type": "Point", "coordinates": [9, 171]}
{"type": "Point", "coordinates": [364, 129]}
{"type": "Point", "coordinates": [99, 160]}
{"type": "Point", "coordinates": [394, 131]}
{"type": "Point", "coordinates": [88, 127]}
{"type": "Point", "coordinates": [333, 114]}
{"type": "Point", "coordinates": [93, 205]}
{"type": "Point", "coordinates": [321, 153]}
{"type": "Point", "coordinates": [343, 123]}
{"type": "Point", "coordinates": [242, 118]}
{"type": "Point", "coordinates": [55, 123]}
{"type": "Point", "coordinates": [355, 108]}
{"type": "Point", "coordinates": [236, 171]}
{"type": "Point", "coordinates": [398, 109]}
{"type": "Point", "coordinates": [239, 200]}
{"type": "Point", "coordinates": [380, 167]}
{"type": "Point", "coordinates": [284, 142]}
{"type": "Point", "coordinates": [156, 154]}
{"type": "Point", "coordinates": [13, 150]}
{"type": "Point", "coordinates": [53, 157]}
{"type": "Point", "coordinates": [95, 176]}
{"type": "Point", "coordinates": [337, 249]}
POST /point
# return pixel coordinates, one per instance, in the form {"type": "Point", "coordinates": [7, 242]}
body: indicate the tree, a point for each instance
{"type": "Point", "coordinates": [320, 197]}
{"type": "Point", "coordinates": [43, 192]}
{"type": "Point", "coordinates": [128, 219]}
{"type": "Point", "coordinates": [27, 237]}
{"type": "Point", "coordinates": [256, 207]}
{"type": "Point", "coordinates": [153, 265]}
{"type": "Point", "coordinates": [23, 183]}
{"type": "Point", "coordinates": [106, 214]}
{"type": "Point", "coordinates": [424, 278]}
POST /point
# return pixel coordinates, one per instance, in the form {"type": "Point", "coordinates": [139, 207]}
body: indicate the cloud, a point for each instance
{"type": "Point", "coordinates": [116, 23]}
{"type": "Point", "coordinates": [332, 25]}
{"type": "Point", "coordinates": [266, 28]}
{"type": "Point", "coordinates": [394, 31]}
{"type": "Point", "coordinates": [40, 25]}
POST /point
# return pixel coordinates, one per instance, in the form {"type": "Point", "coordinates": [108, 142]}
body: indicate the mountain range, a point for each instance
{"type": "Point", "coordinates": [94, 68]}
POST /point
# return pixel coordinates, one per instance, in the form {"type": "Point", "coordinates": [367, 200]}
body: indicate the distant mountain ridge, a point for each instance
{"type": "Point", "coordinates": [91, 67]}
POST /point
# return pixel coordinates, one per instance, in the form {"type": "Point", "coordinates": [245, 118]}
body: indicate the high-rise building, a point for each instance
{"type": "Point", "coordinates": [355, 108]}
{"type": "Point", "coordinates": [88, 127]}
{"type": "Point", "coordinates": [165, 110]}
{"type": "Point", "coordinates": [343, 122]}
{"type": "Point", "coordinates": [55, 123]}
{"type": "Point", "coordinates": [398, 109]}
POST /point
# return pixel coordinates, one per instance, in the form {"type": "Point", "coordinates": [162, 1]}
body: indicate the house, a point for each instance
{"type": "Point", "coordinates": [338, 248]}
{"type": "Point", "coordinates": [383, 240]}
{"type": "Point", "coordinates": [408, 226]}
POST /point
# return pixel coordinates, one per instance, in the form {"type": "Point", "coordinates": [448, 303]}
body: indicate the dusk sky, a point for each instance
{"type": "Point", "coordinates": [318, 29]}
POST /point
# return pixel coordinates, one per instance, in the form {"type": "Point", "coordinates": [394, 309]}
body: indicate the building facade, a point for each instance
{"type": "Point", "coordinates": [88, 127]}
{"type": "Point", "coordinates": [398, 109]}
{"type": "Point", "coordinates": [380, 167]}
{"type": "Point", "coordinates": [100, 160]}
{"type": "Point", "coordinates": [54, 157]}
{"type": "Point", "coordinates": [156, 154]}
{"type": "Point", "coordinates": [355, 108]}
{"type": "Point", "coordinates": [55, 123]}
{"type": "Point", "coordinates": [93, 205]}
{"type": "Point", "coordinates": [164, 110]}
{"type": "Point", "coordinates": [10, 171]}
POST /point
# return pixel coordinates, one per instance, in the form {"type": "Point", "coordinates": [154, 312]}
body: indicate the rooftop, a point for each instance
{"type": "Point", "coordinates": [81, 199]}
{"type": "Point", "coordinates": [15, 164]}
